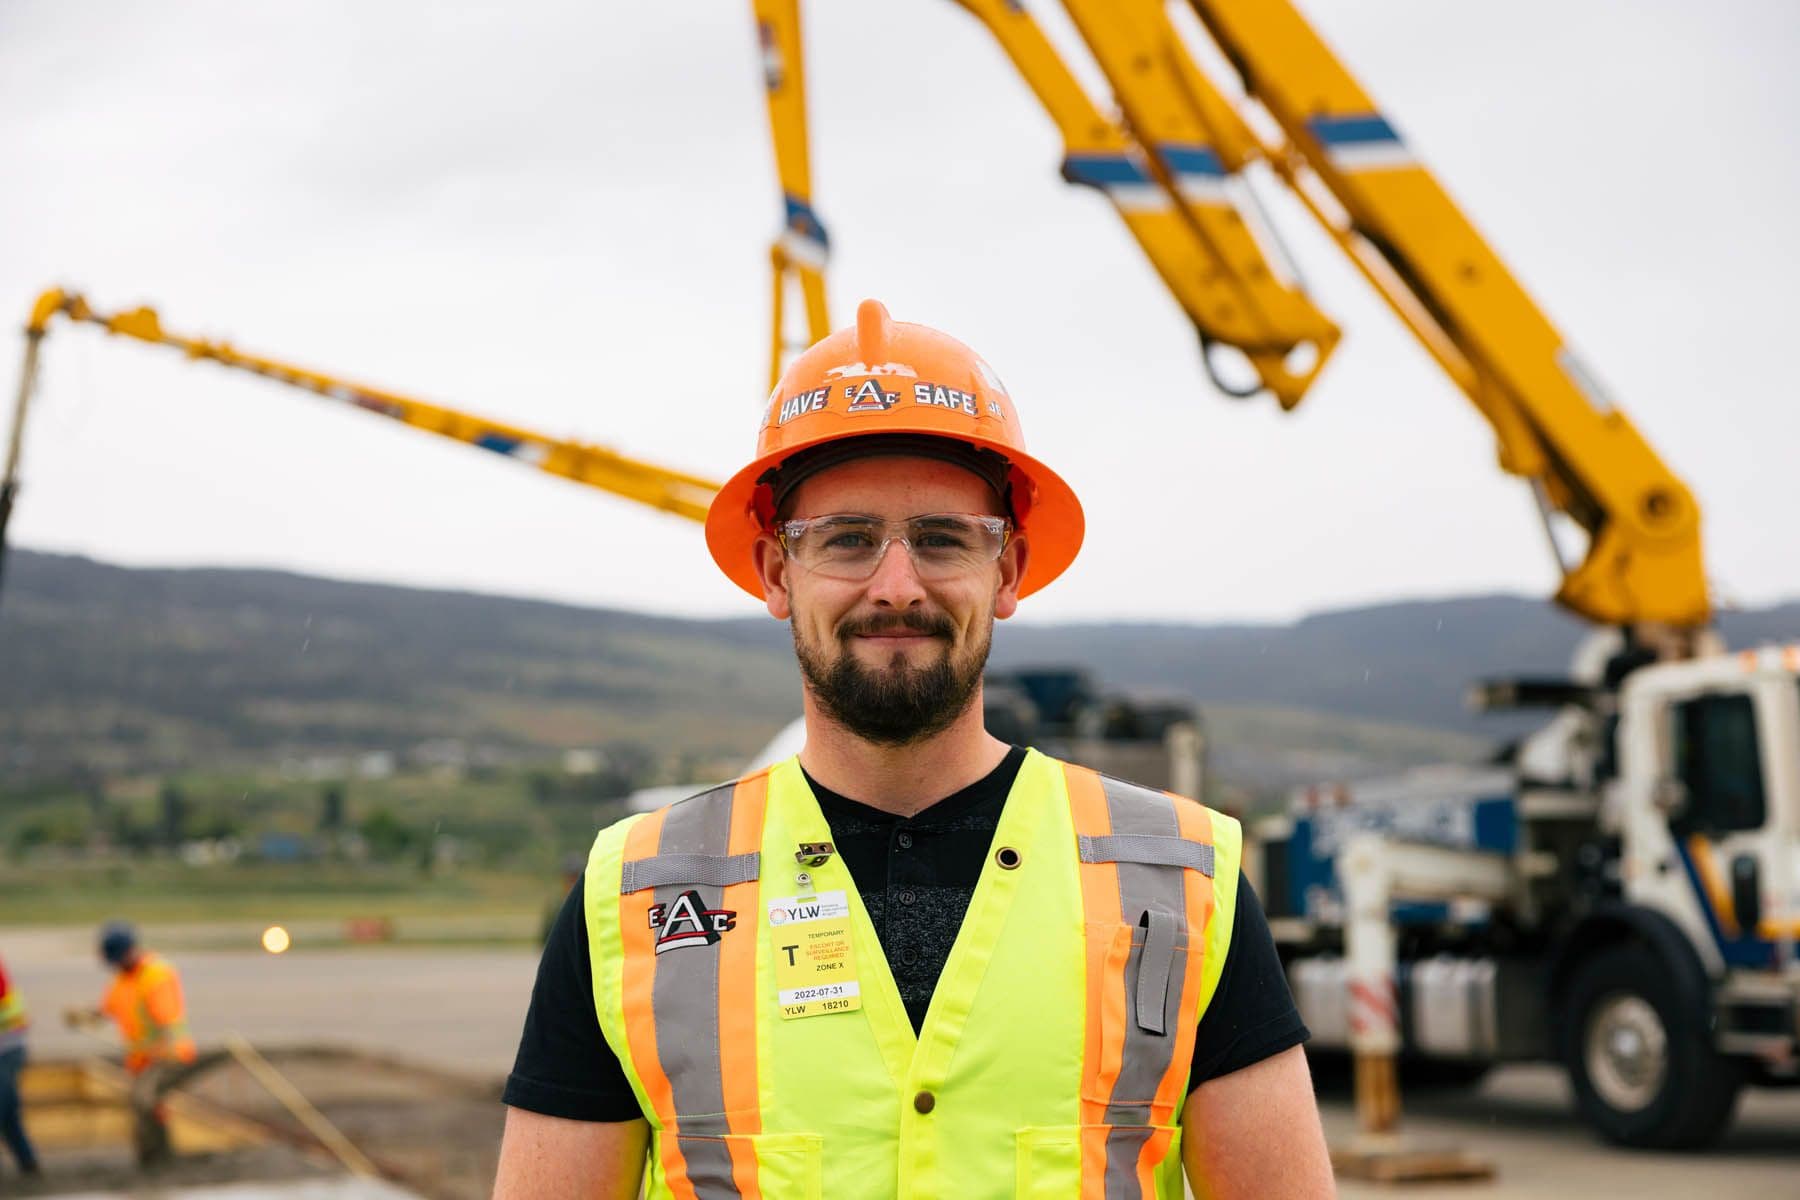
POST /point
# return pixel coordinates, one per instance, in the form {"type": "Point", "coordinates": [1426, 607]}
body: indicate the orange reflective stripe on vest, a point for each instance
{"type": "Point", "coordinates": [1145, 957]}
{"type": "Point", "coordinates": [690, 874]}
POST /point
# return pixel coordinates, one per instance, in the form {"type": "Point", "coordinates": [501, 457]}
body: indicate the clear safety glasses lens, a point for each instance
{"type": "Point", "coordinates": [850, 547]}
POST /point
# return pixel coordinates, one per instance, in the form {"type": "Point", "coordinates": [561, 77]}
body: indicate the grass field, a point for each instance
{"type": "Point", "coordinates": [286, 892]}
{"type": "Point", "coordinates": [444, 847]}
{"type": "Point", "coordinates": [479, 852]}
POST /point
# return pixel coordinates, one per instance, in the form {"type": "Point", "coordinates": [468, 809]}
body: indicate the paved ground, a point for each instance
{"type": "Point", "coordinates": [457, 1008]}
{"type": "Point", "coordinates": [463, 1008]}
{"type": "Point", "coordinates": [313, 1189]}
{"type": "Point", "coordinates": [1523, 1121]}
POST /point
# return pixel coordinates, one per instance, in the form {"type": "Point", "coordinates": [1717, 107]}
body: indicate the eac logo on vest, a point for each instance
{"type": "Point", "coordinates": [684, 921]}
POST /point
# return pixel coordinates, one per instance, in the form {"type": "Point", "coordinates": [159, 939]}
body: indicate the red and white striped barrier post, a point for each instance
{"type": "Point", "coordinates": [1374, 995]}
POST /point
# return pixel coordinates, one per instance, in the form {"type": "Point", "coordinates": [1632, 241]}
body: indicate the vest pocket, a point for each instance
{"type": "Point", "coordinates": [1048, 1162]}
{"type": "Point", "coordinates": [787, 1164]}
{"type": "Point", "coordinates": [1150, 956]}
{"type": "Point", "coordinates": [1048, 1158]}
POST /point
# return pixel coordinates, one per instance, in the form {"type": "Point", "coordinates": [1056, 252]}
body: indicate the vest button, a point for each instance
{"type": "Point", "coordinates": [904, 840]}
{"type": "Point", "coordinates": [924, 1102]}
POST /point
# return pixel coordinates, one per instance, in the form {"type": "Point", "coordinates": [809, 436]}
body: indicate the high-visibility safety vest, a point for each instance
{"type": "Point", "coordinates": [147, 1004]}
{"type": "Point", "coordinates": [13, 1018]}
{"type": "Point", "coordinates": [1055, 1055]}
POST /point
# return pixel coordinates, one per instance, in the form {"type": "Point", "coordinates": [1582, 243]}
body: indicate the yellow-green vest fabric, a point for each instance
{"type": "Point", "coordinates": [1054, 1057]}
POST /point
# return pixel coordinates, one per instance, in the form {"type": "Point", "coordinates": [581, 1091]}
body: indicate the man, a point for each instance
{"type": "Point", "coordinates": [146, 1003]}
{"type": "Point", "coordinates": [12, 1061]}
{"type": "Point", "coordinates": [912, 961]}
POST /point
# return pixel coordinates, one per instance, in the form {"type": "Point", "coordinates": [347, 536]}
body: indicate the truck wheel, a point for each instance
{"type": "Point", "coordinates": [1641, 1056]}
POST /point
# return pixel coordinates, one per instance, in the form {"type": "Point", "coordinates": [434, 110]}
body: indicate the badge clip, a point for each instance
{"type": "Point", "coordinates": [814, 854]}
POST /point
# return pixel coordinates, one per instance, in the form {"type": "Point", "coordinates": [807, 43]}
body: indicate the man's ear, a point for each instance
{"type": "Point", "coordinates": [772, 570]}
{"type": "Point", "coordinates": [1012, 570]}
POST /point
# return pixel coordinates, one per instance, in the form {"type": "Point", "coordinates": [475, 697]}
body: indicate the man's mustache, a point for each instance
{"type": "Point", "coordinates": [926, 624]}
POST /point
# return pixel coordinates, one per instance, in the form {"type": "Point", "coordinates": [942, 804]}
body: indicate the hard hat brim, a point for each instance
{"type": "Point", "coordinates": [1051, 522]}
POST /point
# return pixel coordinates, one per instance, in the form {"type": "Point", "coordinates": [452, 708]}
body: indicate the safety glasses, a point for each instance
{"type": "Point", "coordinates": [849, 546]}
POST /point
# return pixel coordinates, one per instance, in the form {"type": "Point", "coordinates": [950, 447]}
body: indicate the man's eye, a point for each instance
{"type": "Point", "coordinates": [940, 540]}
{"type": "Point", "coordinates": [848, 539]}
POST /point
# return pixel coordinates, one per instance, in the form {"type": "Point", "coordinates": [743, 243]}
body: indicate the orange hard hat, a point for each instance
{"type": "Point", "coordinates": [888, 377]}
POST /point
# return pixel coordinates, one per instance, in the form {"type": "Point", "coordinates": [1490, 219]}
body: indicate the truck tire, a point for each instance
{"type": "Point", "coordinates": [1641, 1057]}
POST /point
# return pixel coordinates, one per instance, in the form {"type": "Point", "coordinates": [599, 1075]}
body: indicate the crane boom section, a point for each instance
{"type": "Point", "coordinates": [799, 253]}
{"type": "Point", "coordinates": [1168, 184]}
{"type": "Point", "coordinates": [1554, 426]}
{"type": "Point", "coordinates": [1151, 74]}
{"type": "Point", "coordinates": [596, 466]}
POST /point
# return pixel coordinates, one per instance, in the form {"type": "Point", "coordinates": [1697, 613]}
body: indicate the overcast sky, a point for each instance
{"type": "Point", "coordinates": [557, 214]}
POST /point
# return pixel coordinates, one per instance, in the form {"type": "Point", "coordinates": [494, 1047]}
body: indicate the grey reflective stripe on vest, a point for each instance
{"type": "Point", "coordinates": [714, 870]}
{"type": "Point", "coordinates": [685, 995]}
{"type": "Point", "coordinates": [1144, 819]}
{"type": "Point", "coordinates": [1157, 851]}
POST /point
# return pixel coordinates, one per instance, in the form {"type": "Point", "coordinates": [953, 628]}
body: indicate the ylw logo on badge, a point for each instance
{"type": "Point", "coordinates": [685, 921]}
{"type": "Point", "coordinates": [867, 396]}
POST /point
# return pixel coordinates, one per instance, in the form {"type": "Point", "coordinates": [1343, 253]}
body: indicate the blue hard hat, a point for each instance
{"type": "Point", "coordinates": [117, 939]}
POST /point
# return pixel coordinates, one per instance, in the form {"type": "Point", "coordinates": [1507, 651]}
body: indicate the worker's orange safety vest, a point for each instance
{"type": "Point", "coordinates": [146, 1001]}
{"type": "Point", "coordinates": [741, 984]}
{"type": "Point", "coordinates": [13, 1018]}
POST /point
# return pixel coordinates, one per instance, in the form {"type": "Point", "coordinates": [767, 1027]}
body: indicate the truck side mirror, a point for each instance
{"type": "Point", "coordinates": [1670, 797]}
{"type": "Point", "coordinates": [1746, 892]}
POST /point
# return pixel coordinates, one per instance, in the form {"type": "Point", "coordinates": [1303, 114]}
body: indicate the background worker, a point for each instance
{"type": "Point", "coordinates": [146, 1003]}
{"type": "Point", "coordinates": [13, 1021]}
{"type": "Point", "coordinates": [912, 960]}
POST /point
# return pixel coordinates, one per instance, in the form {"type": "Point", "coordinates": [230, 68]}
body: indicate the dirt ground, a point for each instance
{"type": "Point", "coordinates": [108, 1171]}
{"type": "Point", "coordinates": [435, 1133]}
{"type": "Point", "coordinates": [435, 1031]}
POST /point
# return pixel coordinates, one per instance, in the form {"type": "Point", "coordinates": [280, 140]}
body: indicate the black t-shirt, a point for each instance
{"type": "Point", "coordinates": [916, 876]}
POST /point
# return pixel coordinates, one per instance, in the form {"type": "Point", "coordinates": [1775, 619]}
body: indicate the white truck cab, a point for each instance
{"type": "Point", "coordinates": [1625, 899]}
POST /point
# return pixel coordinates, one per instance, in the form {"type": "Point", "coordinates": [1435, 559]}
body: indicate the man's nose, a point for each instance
{"type": "Point", "coordinates": [895, 582]}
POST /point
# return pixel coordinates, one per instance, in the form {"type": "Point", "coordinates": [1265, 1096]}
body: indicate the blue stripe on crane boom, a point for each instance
{"type": "Point", "coordinates": [804, 221]}
{"type": "Point", "coordinates": [1104, 170]}
{"type": "Point", "coordinates": [1191, 160]}
{"type": "Point", "coordinates": [1361, 129]}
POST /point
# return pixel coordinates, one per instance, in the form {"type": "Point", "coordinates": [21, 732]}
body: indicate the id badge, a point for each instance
{"type": "Point", "coordinates": [815, 960]}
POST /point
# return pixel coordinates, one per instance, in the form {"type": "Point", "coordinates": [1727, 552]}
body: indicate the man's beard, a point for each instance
{"type": "Point", "coordinates": [897, 704]}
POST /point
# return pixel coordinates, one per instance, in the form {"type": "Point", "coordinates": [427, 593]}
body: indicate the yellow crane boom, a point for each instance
{"type": "Point", "coordinates": [799, 252]}
{"type": "Point", "coordinates": [595, 466]}
{"type": "Point", "coordinates": [1555, 427]}
{"type": "Point", "coordinates": [1174, 203]}
{"type": "Point", "coordinates": [1173, 164]}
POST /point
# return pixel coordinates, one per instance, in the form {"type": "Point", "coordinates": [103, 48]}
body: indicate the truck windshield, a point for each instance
{"type": "Point", "coordinates": [1717, 758]}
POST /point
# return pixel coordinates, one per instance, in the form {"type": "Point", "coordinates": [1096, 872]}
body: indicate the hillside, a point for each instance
{"type": "Point", "coordinates": [133, 669]}
{"type": "Point", "coordinates": [114, 669]}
